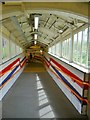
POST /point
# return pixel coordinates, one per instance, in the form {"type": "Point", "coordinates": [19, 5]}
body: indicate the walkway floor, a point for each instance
{"type": "Point", "coordinates": [35, 95]}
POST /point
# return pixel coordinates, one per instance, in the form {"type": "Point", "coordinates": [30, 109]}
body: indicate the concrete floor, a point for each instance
{"type": "Point", "coordinates": [36, 95]}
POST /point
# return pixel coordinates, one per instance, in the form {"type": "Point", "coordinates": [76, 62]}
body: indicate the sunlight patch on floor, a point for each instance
{"type": "Point", "coordinates": [45, 109]}
{"type": "Point", "coordinates": [46, 112]}
{"type": "Point", "coordinates": [39, 85]}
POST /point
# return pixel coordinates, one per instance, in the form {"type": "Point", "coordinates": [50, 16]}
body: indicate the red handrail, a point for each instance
{"type": "Point", "coordinates": [72, 78]}
{"type": "Point", "coordinates": [14, 73]}
{"type": "Point", "coordinates": [9, 67]}
{"type": "Point", "coordinates": [80, 98]}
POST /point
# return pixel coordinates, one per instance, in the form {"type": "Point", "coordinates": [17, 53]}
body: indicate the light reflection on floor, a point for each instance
{"type": "Point", "coordinates": [39, 85]}
{"type": "Point", "coordinates": [45, 108]}
{"type": "Point", "coordinates": [46, 112]}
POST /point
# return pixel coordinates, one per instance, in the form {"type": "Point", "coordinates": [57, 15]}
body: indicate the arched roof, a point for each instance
{"type": "Point", "coordinates": [55, 18]}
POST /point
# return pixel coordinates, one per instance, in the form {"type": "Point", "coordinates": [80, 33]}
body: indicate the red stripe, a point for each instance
{"type": "Point", "coordinates": [46, 63]}
{"type": "Point", "coordinates": [9, 66]}
{"type": "Point", "coordinates": [15, 72]}
{"type": "Point", "coordinates": [24, 62]}
{"type": "Point", "coordinates": [66, 71]}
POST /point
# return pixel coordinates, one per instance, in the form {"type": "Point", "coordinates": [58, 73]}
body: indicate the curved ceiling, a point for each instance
{"type": "Point", "coordinates": [53, 24]}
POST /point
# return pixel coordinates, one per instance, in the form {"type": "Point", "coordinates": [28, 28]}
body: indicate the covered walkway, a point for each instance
{"type": "Point", "coordinates": [44, 59]}
{"type": "Point", "coordinates": [36, 95]}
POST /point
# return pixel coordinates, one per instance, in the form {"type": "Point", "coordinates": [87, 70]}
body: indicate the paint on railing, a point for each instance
{"type": "Point", "coordinates": [14, 70]}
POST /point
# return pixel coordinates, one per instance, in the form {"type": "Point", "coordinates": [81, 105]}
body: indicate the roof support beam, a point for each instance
{"type": "Point", "coordinates": [47, 21]}
{"type": "Point", "coordinates": [17, 25]}
{"type": "Point", "coordinates": [52, 24]}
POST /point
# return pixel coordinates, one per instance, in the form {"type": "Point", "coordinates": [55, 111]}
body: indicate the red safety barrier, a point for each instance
{"type": "Point", "coordinates": [73, 77]}
{"type": "Point", "coordinates": [80, 82]}
{"type": "Point", "coordinates": [9, 67]}
{"type": "Point", "coordinates": [65, 70]}
{"type": "Point", "coordinates": [15, 72]}
{"type": "Point", "coordinates": [80, 98]}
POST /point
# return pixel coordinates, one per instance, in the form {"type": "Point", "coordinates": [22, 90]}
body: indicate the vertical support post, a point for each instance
{"type": "Point", "coordinates": [1, 44]}
{"type": "Point", "coordinates": [0, 57]}
{"type": "Point", "coordinates": [71, 46]}
{"type": "Point", "coordinates": [55, 48]}
{"type": "Point", "coordinates": [88, 108]}
{"type": "Point", "coordinates": [88, 49]}
{"type": "Point", "coordinates": [60, 48]}
{"type": "Point", "coordinates": [10, 45]}
{"type": "Point", "coordinates": [15, 45]}
{"type": "Point", "coordinates": [86, 90]}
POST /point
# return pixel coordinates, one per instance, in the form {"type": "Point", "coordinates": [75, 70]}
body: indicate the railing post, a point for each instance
{"type": "Point", "coordinates": [85, 95]}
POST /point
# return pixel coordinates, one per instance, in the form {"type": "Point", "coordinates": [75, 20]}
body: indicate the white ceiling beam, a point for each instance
{"type": "Point", "coordinates": [17, 25]}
